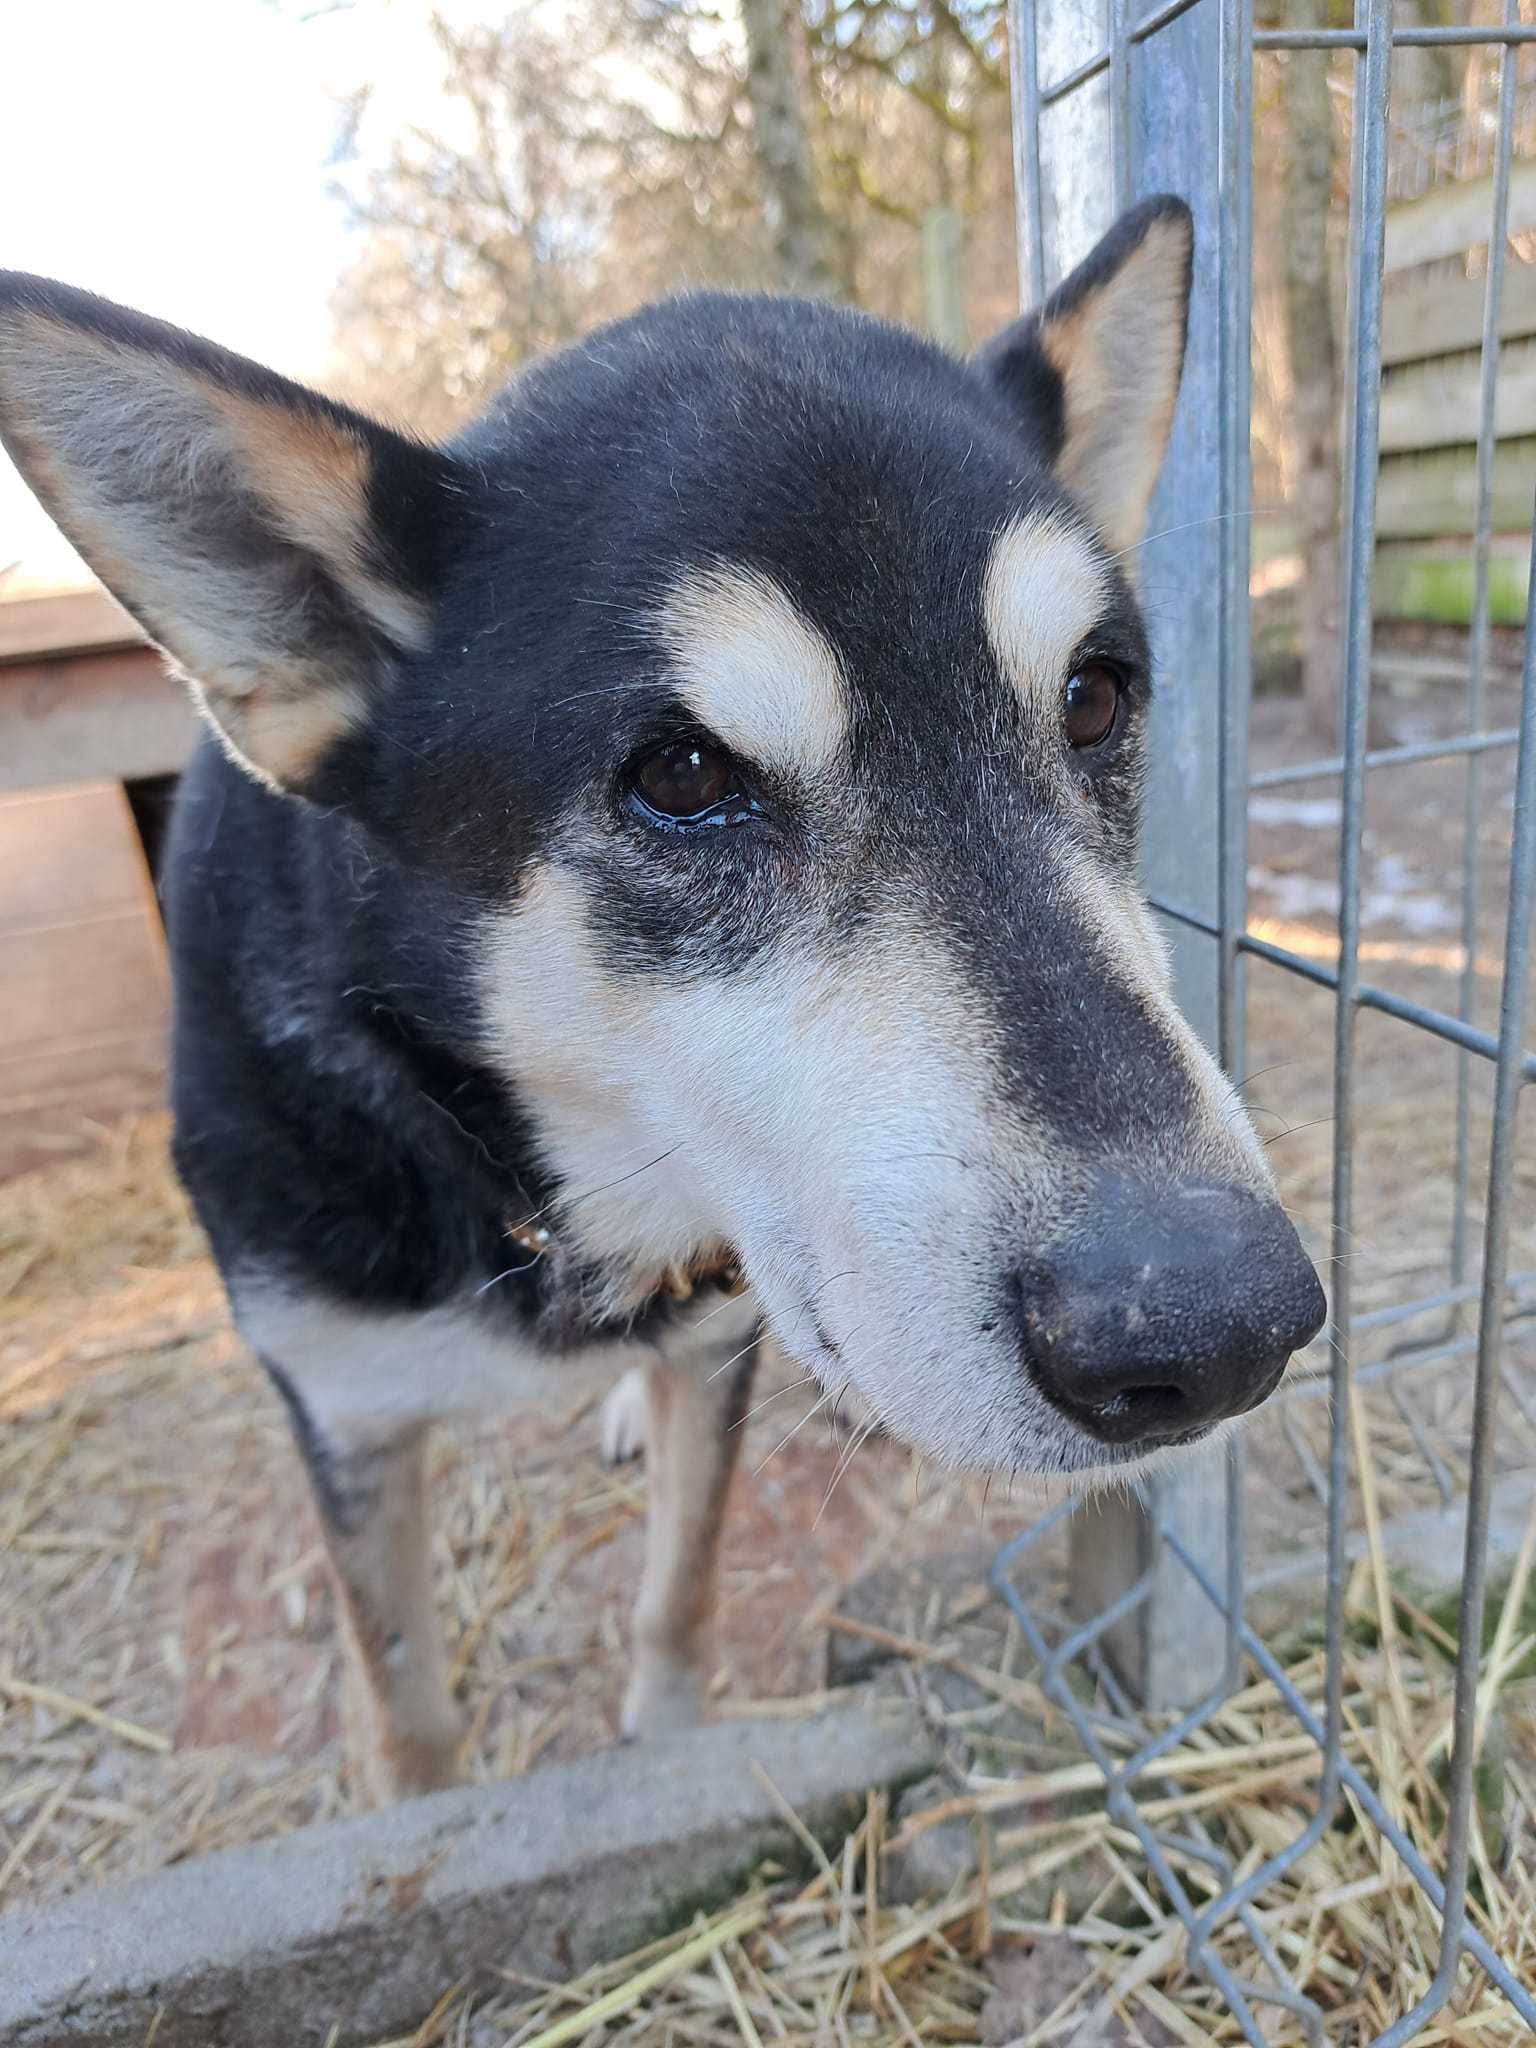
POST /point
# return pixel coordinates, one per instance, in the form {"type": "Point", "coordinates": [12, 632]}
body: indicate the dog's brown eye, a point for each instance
{"type": "Point", "coordinates": [684, 779]}
{"type": "Point", "coordinates": [1093, 701]}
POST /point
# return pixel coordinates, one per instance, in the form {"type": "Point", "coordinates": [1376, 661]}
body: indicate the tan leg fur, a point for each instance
{"type": "Point", "coordinates": [691, 1445]}
{"type": "Point", "coordinates": [381, 1550]}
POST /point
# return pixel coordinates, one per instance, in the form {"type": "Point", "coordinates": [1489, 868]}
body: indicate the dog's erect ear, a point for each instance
{"type": "Point", "coordinates": [283, 550]}
{"type": "Point", "coordinates": [1096, 370]}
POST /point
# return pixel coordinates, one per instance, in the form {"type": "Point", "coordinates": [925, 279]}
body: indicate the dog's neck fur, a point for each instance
{"type": "Point", "coordinates": [568, 1294]}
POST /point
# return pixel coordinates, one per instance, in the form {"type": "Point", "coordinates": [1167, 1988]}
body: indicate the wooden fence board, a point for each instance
{"type": "Point", "coordinates": [1451, 219]}
{"type": "Point", "coordinates": [66, 622]}
{"type": "Point", "coordinates": [84, 982]}
{"type": "Point", "coordinates": [1426, 497]}
{"type": "Point", "coordinates": [113, 714]}
{"type": "Point", "coordinates": [1442, 411]}
{"type": "Point", "coordinates": [1436, 583]}
{"type": "Point", "coordinates": [1436, 319]}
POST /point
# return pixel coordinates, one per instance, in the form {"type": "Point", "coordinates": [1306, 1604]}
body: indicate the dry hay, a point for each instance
{"type": "Point", "coordinates": [165, 1615]}
{"type": "Point", "coordinates": [170, 1673]}
{"type": "Point", "coordinates": [833, 1960]}
{"type": "Point", "coordinates": [72, 1232]}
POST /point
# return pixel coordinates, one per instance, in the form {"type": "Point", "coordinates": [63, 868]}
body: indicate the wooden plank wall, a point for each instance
{"type": "Point", "coordinates": [84, 986]}
{"type": "Point", "coordinates": [83, 697]}
{"type": "Point", "coordinates": [1432, 330]}
{"type": "Point", "coordinates": [1451, 218]}
{"type": "Point", "coordinates": [85, 706]}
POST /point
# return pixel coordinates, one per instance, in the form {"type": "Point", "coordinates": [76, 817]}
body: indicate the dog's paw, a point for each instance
{"type": "Point", "coordinates": [386, 1762]}
{"type": "Point", "coordinates": [413, 1765]}
{"type": "Point", "coordinates": [621, 1421]}
{"type": "Point", "coordinates": [663, 1696]}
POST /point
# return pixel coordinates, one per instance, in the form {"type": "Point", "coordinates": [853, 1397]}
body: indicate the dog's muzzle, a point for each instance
{"type": "Point", "coordinates": [1171, 1310]}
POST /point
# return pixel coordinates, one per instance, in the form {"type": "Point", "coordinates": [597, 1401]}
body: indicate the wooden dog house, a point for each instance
{"type": "Point", "coordinates": [92, 735]}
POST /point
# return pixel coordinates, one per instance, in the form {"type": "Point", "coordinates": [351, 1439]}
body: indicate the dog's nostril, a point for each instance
{"type": "Point", "coordinates": [1155, 1400]}
{"type": "Point", "coordinates": [1135, 1414]}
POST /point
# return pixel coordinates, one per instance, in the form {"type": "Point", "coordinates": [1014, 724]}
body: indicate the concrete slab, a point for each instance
{"type": "Point", "coordinates": [1428, 1547]}
{"type": "Point", "coordinates": [350, 1931]}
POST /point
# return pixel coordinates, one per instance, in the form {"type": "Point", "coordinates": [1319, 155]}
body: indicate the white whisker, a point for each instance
{"type": "Point", "coordinates": [805, 1418]}
{"type": "Point", "coordinates": [860, 1438]}
{"type": "Point", "coordinates": [777, 1395]}
{"type": "Point", "coordinates": [735, 1359]}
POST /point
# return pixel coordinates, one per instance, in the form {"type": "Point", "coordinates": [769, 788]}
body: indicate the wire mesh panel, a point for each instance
{"type": "Point", "coordinates": [1110, 102]}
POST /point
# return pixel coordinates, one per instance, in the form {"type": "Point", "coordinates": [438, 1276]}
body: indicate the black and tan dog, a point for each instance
{"type": "Point", "coordinates": [684, 827]}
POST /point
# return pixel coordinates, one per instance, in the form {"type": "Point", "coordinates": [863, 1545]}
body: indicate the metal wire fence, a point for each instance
{"type": "Point", "coordinates": [1165, 97]}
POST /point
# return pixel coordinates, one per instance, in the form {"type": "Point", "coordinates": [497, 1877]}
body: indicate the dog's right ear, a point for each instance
{"type": "Point", "coordinates": [1095, 372]}
{"type": "Point", "coordinates": [284, 551]}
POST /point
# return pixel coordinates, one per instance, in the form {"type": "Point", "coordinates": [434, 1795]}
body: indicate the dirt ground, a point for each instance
{"type": "Point", "coordinates": [169, 1675]}
{"type": "Point", "coordinates": [1405, 1080]}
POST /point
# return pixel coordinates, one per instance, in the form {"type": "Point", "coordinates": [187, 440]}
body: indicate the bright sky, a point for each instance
{"type": "Point", "coordinates": [173, 154]}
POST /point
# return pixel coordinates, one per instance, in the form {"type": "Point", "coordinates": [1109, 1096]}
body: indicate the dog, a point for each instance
{"type": "Point", "coordinates": [664, 866]}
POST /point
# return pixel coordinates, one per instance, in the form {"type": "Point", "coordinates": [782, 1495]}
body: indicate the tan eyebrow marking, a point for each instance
{"type": "Point", "coordinates": [755, 669]}
{"type": "Point", "coordinates": [1044, 588]}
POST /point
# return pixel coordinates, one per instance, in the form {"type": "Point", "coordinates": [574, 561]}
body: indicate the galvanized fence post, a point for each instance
{"type": "Point", "coordinates": [1189, 135]}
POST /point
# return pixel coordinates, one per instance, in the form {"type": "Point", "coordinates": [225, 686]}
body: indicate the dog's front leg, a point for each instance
{"type": "Point", "coordinates": [371, 1488]}
{"type": "Point", "coordinates": [692, 1438]}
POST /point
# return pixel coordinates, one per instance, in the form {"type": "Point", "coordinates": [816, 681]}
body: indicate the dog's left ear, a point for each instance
{"type": "Point", "coordinates": [282, 549]}
{"type": "Point", "coordinates": [1096, 370]}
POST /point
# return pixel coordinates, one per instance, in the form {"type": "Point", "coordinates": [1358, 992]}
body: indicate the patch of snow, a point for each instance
{"type": "Point", "coordinates": [1295, 810]}
{"type": "Point", "coordinates": [1394, 894]}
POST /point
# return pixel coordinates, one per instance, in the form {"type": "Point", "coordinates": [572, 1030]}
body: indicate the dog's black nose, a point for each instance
{"type": "Point", "coordinates": [1173, 1309]}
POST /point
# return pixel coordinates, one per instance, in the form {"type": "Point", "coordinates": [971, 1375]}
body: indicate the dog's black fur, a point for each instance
{"type": "Point", "coordinates": [325, 1029]}
{"type": "Point", "coordinates": [481, 1052]}
{"type": "Point", "coordinates": [339, 1122]}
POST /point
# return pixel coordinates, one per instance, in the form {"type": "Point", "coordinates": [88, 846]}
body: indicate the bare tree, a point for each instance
{"type": "Point", "coordinates": [1425, 73]}
{"type": "Point", "coordinates": [581, 157]}
{"type": "Point", "coordinates": [1313, 349]}
{"type": "Point", "coordinates": [797, 220]}
{"type": "Point", "coordinates": [913, 103]}
{"type": "Point", "coordinates": [575, 166]}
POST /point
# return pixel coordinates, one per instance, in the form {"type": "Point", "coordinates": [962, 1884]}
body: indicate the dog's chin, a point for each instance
{"type": "Point", "coordinates": [1055, 1458]}
{"type": "Point", "coordinates": [1122, 1467]}
{"type": "Point", "coordinates": [1053, 1471]}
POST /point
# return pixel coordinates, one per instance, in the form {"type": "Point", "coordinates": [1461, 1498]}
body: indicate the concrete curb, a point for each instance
{"type": "Point", "coordinates": [360, 1925]}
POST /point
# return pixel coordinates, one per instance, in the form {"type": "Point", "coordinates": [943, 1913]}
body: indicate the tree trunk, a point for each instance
{"type": "Point", "coordinates": [1314, 367]}
{"type": "Point", "coordinates": [801, 231]}
{"type": "Point", "coordinates": [1426, 73]}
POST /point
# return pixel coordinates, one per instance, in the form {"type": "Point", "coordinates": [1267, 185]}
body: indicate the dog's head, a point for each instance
{"type": "Point", "coordinates": [767, 690]}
